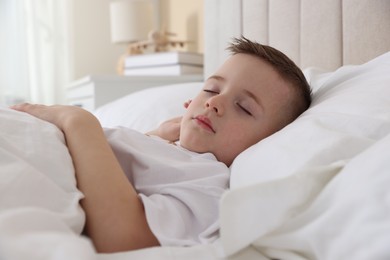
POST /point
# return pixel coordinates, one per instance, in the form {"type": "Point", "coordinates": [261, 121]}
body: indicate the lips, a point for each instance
{"type": "Point", "coordinates": [204, 122]}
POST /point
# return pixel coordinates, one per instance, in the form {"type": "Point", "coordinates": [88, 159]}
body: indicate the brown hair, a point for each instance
{"type": "Point", "coordinates": [286, 68]}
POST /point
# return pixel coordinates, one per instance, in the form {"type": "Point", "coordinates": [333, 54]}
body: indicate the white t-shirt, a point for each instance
{"type": "Point", "coordinates": [180, 189]}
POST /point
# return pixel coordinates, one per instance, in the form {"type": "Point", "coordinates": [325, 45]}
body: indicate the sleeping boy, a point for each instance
{"type": "Point", "coordinates": [164, 188]}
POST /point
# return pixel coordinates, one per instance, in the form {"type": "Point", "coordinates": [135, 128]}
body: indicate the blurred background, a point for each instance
{"type": "Point", "coordinates": [47, 44]}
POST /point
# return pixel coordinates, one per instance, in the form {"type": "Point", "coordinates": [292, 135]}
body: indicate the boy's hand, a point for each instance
{"type": "Point", "coordinates": [168, 130]}
{"type": "Point", "coordinates": [61, 116]}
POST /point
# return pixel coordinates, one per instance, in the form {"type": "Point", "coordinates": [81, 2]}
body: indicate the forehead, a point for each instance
{"type": "Point", "coordinates": [250, 73]}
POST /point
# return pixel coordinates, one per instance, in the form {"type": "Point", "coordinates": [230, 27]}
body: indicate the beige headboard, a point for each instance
{"type": "Point", "coordinates": [322, 33]}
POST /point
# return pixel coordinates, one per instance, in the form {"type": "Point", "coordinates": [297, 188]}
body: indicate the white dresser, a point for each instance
{"type": "Point", "coordinates": [94, 91]}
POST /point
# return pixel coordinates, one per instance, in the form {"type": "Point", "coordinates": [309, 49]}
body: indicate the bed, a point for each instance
{"type": "Point", "coordinates": [317, 189]}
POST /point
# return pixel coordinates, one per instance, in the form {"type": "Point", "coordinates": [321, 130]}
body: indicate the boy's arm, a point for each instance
{"type": "Point", "coordinates": [116, 219]}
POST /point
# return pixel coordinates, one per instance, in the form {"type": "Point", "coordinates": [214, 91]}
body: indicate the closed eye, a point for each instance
{"type": "Point", "coordinates": [244, 109]}
{"type": "Point", "coordinates": [211, 91]}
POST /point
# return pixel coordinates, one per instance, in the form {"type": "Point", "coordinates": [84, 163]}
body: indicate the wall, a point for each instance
{"type": "Point", "coordinates": [185, 18]}
{"type": "Point", "coordinates": [91, 49]}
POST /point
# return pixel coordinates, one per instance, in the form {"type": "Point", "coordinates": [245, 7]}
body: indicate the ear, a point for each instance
{"type": "Point", "coordinates": [187, 103]}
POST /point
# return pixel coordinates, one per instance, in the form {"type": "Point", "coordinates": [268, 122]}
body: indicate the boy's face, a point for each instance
{"type": "Point", "coordinates": [242, 103]}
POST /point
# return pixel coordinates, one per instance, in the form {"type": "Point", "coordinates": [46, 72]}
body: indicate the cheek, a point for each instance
{"type": "Point", "coordinates": [234, 136]}
{"type": "Point", "coordinates": [195, 98]}
{"type": "Point", "coordinates": [196, 103]}
{"type": "Point", "coordinates": [243, 135]}
{"type": "Point", "coordinates": [189, 137]}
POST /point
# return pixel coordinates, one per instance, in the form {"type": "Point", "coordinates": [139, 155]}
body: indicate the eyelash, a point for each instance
{"type": "Point", "coordinates": [210, 91]}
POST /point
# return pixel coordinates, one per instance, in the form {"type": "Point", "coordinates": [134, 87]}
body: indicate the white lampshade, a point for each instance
{"type": "Point", "coordinates": [131, 20]}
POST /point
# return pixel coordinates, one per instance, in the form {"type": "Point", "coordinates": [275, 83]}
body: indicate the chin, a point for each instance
{"type": "Point", "coordinates": [192, 147]}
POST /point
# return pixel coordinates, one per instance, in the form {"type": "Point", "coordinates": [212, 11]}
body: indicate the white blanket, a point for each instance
{"type": "Point", "coordinates": [40, 216]}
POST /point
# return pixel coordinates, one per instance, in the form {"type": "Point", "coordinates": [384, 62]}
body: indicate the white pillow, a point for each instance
{"type": "Point", "coordinates": [146, 109]}
{"type": "Point", "coordinates": [350, 111]}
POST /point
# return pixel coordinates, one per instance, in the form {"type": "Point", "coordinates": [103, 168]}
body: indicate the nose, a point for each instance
{"type": "Point", "coordinates": [216, 104]}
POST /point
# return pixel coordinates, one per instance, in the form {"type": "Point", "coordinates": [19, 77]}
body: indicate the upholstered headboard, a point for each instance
{"type": "Point", "coordinates": [321, 33]}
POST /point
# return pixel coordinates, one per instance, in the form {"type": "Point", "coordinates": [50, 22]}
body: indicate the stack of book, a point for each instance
{"type": "Point", "coordinates": [164, 64]}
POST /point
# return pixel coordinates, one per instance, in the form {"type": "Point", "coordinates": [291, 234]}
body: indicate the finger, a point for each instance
{"type": "Point", "coordinates": [21, 107]}
{"type": "Point", "coordinates": [27, 107]}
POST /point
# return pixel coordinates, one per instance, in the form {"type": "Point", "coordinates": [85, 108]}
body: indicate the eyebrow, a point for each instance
{"type": "Point", "coordinates": [216, 77]}
{"type": "Point", "coordinates": [251, 95]}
